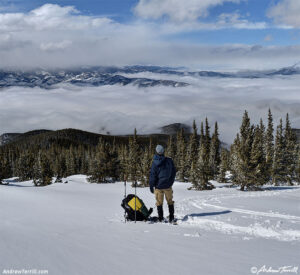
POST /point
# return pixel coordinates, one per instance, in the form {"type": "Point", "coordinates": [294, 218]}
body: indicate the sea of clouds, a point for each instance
{"type": "Point", "coordinates": [119, 109]}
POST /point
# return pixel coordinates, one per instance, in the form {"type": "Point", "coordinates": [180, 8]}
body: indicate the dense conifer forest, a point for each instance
{"type": "Point", "coordinates": [260, 154]}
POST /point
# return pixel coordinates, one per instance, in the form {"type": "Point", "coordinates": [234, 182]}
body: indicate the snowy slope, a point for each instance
{"type": "Point", "coordinates": [78, 228]}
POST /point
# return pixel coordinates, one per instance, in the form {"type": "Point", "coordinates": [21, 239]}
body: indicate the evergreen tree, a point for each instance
{"type": "Point", "coordinates": [181, 156]}
{"type": "Point", "coordinates": [42, 174]}
{"type": "Point", "coordinates": [25, 166]}
{"type": "Point", "coordinates": [1, 169]}
{"type": "Point", "coordinates": [279, 169]}
{"type": "Point", "coordinates": [193, 178]}
{"type": "Point", "coordinates": [203, 169]}
{"type": "Point", "coordinates": [201, 133]}
{"type": "Point", "coordinates": [203, 166]}
{"type": "Point", "coordinates": [192, 153]}
{"type": "Point", "coordinates": [290, 152]}
{"type": "Point", "coordinates": [258, 175]}
{"type": "Point", "coordinates": [269, 144]}
{"type": "Point", "coordinates": [235, 161]}
{"type": "Point", "coordinates": [298, 165]}
{"type": "Point", "coordinates": [241, 153]}
{"type": "Point", "coordinates": [224, 166]}
{"type": "Point", "coordinates": [123, 158]}
{"type": "Point", "coordinates": [70, 162]}
{"type": "Point", "coordinates": [134, 159]}
{"type": "Point", "coordinates": [113, 162]}
{"type": "Point", "coordinates": [146, 166]}
{"type": "Point", "coordinates": [171, 148]}
{"type": "Point", "coordinates": [104, 166]}
{"type": "Point", "coordinates": [214, 157]}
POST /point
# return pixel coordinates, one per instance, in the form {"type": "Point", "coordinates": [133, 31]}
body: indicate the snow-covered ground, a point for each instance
{"type": "Point", "coordinates": [78, 228]}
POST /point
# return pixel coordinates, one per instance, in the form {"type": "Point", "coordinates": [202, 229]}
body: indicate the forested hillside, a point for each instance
{"type": "Point", "coordinates": [260, 154]}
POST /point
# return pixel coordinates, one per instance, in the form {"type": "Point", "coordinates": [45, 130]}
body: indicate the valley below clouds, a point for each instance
{"type": "Point", "coordinates": [119, 109]}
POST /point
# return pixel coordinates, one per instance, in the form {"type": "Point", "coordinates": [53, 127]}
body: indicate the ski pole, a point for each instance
{"type": "Point", "coordinates": [125, 198]}
{"type": "Point", "coordinates": [135, 202]}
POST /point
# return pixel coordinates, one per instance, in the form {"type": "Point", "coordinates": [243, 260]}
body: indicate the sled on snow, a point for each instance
{"type": "Point", "coordinates": [135, 209]}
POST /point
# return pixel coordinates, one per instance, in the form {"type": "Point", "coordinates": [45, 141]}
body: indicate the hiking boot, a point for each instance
{"type": "Point", "coordinates": [160, 213]}
{"type": "Point", "coordinates": [171, 213]}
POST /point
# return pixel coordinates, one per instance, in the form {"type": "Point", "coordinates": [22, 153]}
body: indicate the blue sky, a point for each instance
{"type": "Point", "coordinates": [116, 8]}
{"type": "Point", "coordinates": [151, 28]}
{"type": "Point", "coordinates": [123, 11]}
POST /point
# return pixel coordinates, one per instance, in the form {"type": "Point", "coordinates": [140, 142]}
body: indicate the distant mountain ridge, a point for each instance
{"type": "Point", "coordinates": [93, 77]}
{"type": "Point", "coordinates": [99, 76]}
{"type": "Point", "coordinates": [77, 137]}
{"type": "Point", "coordinates": [67, 137]}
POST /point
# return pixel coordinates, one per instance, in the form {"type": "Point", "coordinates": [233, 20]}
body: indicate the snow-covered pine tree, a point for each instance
{"type": "Point", "coordinates": [269, 144]}
{"type": "Point", "coordinates": [279, 169]}
{"type": "Point", "coordinates": [214, 156]}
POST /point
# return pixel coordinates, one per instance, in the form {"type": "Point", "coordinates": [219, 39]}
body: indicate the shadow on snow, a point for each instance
{"type": "Point", "coordinates": [274, 188]}
{"type": "Point", "coordinates": [185, 218]}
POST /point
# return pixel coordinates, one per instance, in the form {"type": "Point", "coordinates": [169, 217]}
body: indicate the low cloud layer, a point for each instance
{"type": "Point", "coordinates": [119, 109]}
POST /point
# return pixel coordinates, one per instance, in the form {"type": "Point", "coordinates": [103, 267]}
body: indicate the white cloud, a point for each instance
{"type": "Point", "coordinates": [119, 109]}
{"type": "Point", "coordinates": [55, 36]}
{"type": "Point", "coordinates": [177, 10]}
{"type": "Point", "coordinates": [223, 21]}
{"type": "Point", "coordinates": [56, 46]}
{"type": "Point", "coordinates": [286, 12]}
{"type": "Point", "coordinates": [237, 21]}
{"type": "Point", "coordinates": [51, 17]}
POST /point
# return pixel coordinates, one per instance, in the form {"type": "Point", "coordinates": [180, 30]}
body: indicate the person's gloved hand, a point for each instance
{"type": "Point", "coordinates": [151, 189]}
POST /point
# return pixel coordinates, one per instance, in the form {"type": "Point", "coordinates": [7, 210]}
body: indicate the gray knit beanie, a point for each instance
{"type": "Point", "coordinates": [160, 149]}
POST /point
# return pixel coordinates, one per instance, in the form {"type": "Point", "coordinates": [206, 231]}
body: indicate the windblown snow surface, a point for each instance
{"type": "Point", "coordinates": [78, 228]}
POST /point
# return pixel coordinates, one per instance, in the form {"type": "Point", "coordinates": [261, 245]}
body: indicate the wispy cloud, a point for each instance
{"type": "Point", "coordinates": [177, 10]}
{"type": "Point", "coordinates": [286, 12]}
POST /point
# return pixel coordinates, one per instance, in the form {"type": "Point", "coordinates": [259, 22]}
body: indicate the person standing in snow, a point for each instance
{"type": "Point", "coordinates": [162, 177]}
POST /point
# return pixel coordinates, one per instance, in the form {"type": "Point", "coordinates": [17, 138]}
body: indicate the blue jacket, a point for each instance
{"type": "Point", "coordinates": [163, 172]}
